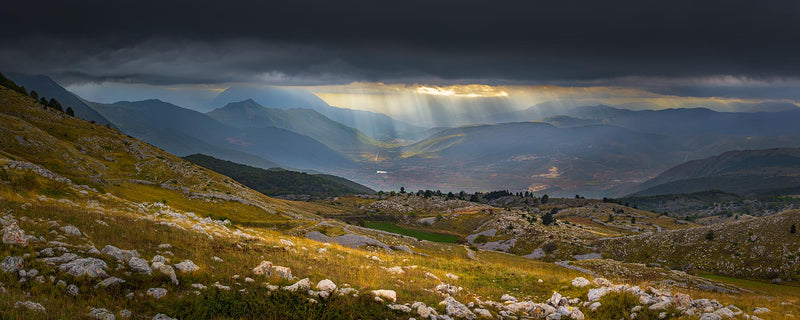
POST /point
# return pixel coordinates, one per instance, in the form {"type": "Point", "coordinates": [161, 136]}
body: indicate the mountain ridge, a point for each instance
{"type": "Point", "coordinates": [249, 114]}
{"type": "Point", "coordinates": [744, 172]}
{"type": "Point", "coordinates": [47, 87]}
{"type": "Point", "coordinates": [274, 144]}
{"type": "Point", "coordinates": [376, 125]}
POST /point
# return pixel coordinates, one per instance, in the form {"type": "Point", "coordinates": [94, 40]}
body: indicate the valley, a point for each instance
{"type": "Point", "coordinates": [399, 160]}
{"type": "Point", "coordinates": [98, 223]}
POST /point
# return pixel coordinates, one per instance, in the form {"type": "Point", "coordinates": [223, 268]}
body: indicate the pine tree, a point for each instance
{"type": "Point", "coordinates": [70, 112]}
{"type": "Point", "coordinates": [53, 103]}
{"type": "Point", "coordinates": [547, 219]}
{"type": "Point", "coordinates": [793, 229]}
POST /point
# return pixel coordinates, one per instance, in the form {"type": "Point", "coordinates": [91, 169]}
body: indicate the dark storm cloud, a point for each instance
{"type": "Point", "coordinates": [308, 42]}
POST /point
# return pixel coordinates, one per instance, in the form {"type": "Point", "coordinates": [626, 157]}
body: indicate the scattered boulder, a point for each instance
{"type": "Point", "coordinates": [47, 252]}
{"type": "Point", "coordinates": [30, 305]}
{"type": "Point", "coordinates": [508, 297]}
{"type": "Point", "coordinates": [101, 314]}
{"type": "Point", "coordinates": [301, 285]}
{"type": "Point", "coordinates": [580, 282]}
{"type": "Point", "coordinates": [456, 309]}
{"type": "Point", "coordinates": [326, 285]}
{"type": "Point", "coordinates": [162, 316]}
{"type": "Point", "coordinates": [119, 254]}
{"type": "Point", "coordinates": [12, 234]}
{"type": "Point", "coordinates": [556, 300]}
{"type": "Point", "coordinates": [187, 266]}
{"type": "Point", "coordinates": [725, 313]}
{"type": "Point", "coordinates": [268, 269]}
{"type": "Point", "coordinates": [221, 287]}
{"type": "Point", "coordinates": [602, 282]}
{"type": "Point", "coordinates": [390, 295]}
{"type": "Point", "coordinates": [395, 270]}
{"type": "Point", "coordinates": [661, 305]}
{"type": "Point", "coordinates": [140, 265]}
{"type": "Point", "coordinates": [451, 276]}
{"type": "Point", "coordinates": [157, 293]}
{"type": "Point", "coordinates": [125, 314]}
{"type": "Point", "coordinates": [158, 258]}
{"type": "Point", "coordinates": [682, 301]}
{"type": "Point", "coordinates": [447, 289]}
{"type": "Point", "coordinates": [400, 307]}
{"type": "Point", "coordinates": [761, 310]}
{"type": "Point", "coordinates": [482, 313]}
{"type": "Point", "coordinates": [199, 286]}
{"type": "Point", "coordinates": [286, 243]}
{"type": "Point", "coordinates": [423, 311]}
{"type": "Point", "coordinates": [346, 291]}
{"type": "Point", "coordinates": [12, 264]}
{"type": "Point", "coordinates": [90, 267]}
{"type": "Point", "coordinates": [64, 258]}
{"type": "Point", "coordinates": [73, 290]}
{"type": "Point", "coordinates": [167, 271]}
{"type": "Point", "coordinates": [710, 316]}
{"type": "Point", "coordinates": [71, 230]}
{"type": "Point", "coordinates": [596, 294]}
{"type": "Point", "coordinates": [111, 281]}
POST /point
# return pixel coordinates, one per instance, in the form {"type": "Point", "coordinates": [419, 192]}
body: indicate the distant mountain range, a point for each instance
{"type": "Point", "coordinates": [157, 122]}
{"type": "Point", "coordinates": [747, 172]}
{"type": "Point", "coordinates": [632, 110]}
{"type": "Point", "coordinates": [248, 114]}
{"type": "Point", "coordinates": [278, 182]}
{"type": "Point", "coordinates": [595, 151]}
{"type": "Point", "coordinates": [375, 125]}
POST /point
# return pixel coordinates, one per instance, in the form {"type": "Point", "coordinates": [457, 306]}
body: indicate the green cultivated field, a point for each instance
{"type": "Point", "coordinates": [422, 235]}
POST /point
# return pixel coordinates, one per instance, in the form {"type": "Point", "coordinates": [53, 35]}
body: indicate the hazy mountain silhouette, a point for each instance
{"type": "Point", "coordinates": [155, 120]}
{"type": "Point", "coordinates": [746, 172]}
{"type": "Point", "coordinates": [249, 114]}
{"type": "Point", "coordinates": [375, 125]}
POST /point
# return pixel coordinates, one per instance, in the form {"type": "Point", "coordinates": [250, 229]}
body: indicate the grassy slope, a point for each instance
{"type": "Point", "coordinates": [422, 235]}
{"type": "Point", "coordinates": [279, 182]}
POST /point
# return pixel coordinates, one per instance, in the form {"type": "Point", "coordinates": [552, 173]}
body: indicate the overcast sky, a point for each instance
{"type": "Point", "coordinates": [726, 48]}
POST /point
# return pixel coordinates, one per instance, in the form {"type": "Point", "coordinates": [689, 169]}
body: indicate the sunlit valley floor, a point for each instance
{"type": "Point", "coordinates": [97, 224]}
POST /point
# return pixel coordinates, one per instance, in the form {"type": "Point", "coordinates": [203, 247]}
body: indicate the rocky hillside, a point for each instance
{"type": "Point", "coordinates": [763, 247]}
{"type": "Point", "coordinates": [99, 225]}
{"type": "Point", "coordinates": [714, 203]}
